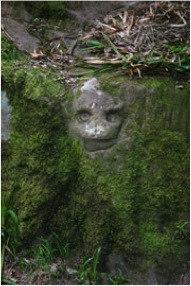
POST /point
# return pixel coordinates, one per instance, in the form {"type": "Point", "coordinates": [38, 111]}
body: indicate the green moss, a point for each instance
{"type": "Point", "coordinates": [134, 211]}
{"type": "Point", "coordinates": [39, 84]}
{"type": "Point", "coordinates": [43, 159]}
{"type": "Point", "coordinates": [129, 203]}
{"type": "Point", "coordinates": [42, 166]}
{"type": "Point", "coordinates": [159, 101]}
{"type": "Point", "coordinates": [9, 52]}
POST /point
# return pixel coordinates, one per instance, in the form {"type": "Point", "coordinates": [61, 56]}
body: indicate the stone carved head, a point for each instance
{"type": "Point", "coordinates": [96, 122]}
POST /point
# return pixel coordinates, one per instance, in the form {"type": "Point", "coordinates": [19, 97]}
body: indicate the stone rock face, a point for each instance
{"type": "Point", "coordinates": [18, 33]}
{"type": "Point", "coordinates": [5, 117]}
{"type": "Point", "coordinates": [106, 165]}
{"type": "Point", "coordinates": [100, 119]}
{"type": "Point", "coordinates": [96, 122]}
{"type": "Point", "coordinates": [109, 117]}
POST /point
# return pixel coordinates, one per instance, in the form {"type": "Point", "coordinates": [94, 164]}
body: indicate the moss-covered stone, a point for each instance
{"type": "Point", "coordinates": [135, 211]}
{"type": "Point", "coordinates": [132, 202]}
{"type": "Point", "coordinates": [9, 52]}
{"type": "Point", "coordinates": [43, 159]}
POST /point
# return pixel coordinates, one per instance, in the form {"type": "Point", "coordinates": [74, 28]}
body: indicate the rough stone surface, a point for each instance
{"type": "Point", "coordinates": [96, 122]}
{"type": "Point", "coordinates": [5, 117]}
{"type": "Point", "coordinates": [18, 33]}
{"type": "Point", "coordinates": [107, 166]}
{"type": "Point", "coordinates": [143, 107]}
{"type": "Point", "coordinates": [100, 119]}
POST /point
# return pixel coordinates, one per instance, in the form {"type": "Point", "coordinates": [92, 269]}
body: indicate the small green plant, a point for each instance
{"type": "Point", "coordinates": [63, 250]}
{"type": "Point", "coordinates": [182, 230]}
{"type": "Point", "coordinates": [5, 281]}
{"type": "Point", "coordinates": [36, 20]}
{"type": "Point", "coordinates": [117, 279]}
{"type": "Point", "coordinates": [88, 272]}
{"type": "Point", "coordinates": [44, 252]}
{"type": "Point", "coordinates": [10, 233]}
{"type": "Point", "coordinates": [92, 45]}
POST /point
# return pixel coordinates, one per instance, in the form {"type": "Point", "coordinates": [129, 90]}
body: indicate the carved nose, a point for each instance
{"type": "Point", "coordinates": [99, 130]}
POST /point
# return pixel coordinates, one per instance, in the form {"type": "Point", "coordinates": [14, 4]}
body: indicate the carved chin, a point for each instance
{"type": "Point", "coordinates": [92, 145]}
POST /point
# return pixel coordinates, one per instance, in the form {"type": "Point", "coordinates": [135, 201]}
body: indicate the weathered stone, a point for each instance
{"type": "Point", "coordinates": [18, 13]}
{"type": "Point", "coordinates": [100, 119]}
{"type": "Point", "coordinates": [18, 33]}
{"type": "Point", "coordinates": [96, 122]}
{"type": "Point", "coordinates": [5, 117]}
{"type": "Point", "coordinates": [105, 164]}
{"type": "Point", "coordinates": [151, 116]}
{"type": "Point", "coordinates": [129, 194]}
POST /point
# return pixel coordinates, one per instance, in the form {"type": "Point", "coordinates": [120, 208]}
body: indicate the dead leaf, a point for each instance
{"type": "Point", "coordinates": [37, 55]}
{"type": "Point", "coordinates": [139, 72]}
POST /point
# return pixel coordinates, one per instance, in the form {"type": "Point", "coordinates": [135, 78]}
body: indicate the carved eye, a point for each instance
{"type": "Point", "coordinates": [112, 116]}
{"type": "Point", "coordinates": [84, 116]}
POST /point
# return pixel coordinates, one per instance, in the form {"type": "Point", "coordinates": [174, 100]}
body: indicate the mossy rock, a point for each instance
{"type": "Point", "coordinates": [133, 201]}
{"type": "Point", "coordinates": [43, 157]}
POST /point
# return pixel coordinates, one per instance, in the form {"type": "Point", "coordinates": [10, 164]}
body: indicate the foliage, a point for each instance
{"type": "Point", "coordinates": [94, 45]}
{"type": "Point", "coordinates": [173, 58]}
{"type": "Point", "coordinates": [44, 261]}
{"type": "Point", "coordinates": [87, 272]}
{"type": "Point", "coordinates": [117, 279]}
{"type": "Point", "coordinates": [44, 252]}
{"type": "Point", "coordinates": [182, 230]}
{"type": "Point", "coordinates": [5, 281]}
{"type": "Point", "coordinates": [10, 228]}
{"type": "Point", "coordinates": [62, 250]}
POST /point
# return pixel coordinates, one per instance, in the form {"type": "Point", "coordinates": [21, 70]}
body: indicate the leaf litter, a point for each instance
{"type": "Point", "coordinates": [130, 41]}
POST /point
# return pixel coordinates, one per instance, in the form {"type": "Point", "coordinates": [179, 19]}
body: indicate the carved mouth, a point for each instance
{"type": "Point", "coordinates": [98, 144]}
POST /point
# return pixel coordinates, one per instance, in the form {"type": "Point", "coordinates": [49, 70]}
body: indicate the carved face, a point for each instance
{"type": "Point", "coordinates": [96, 120]}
